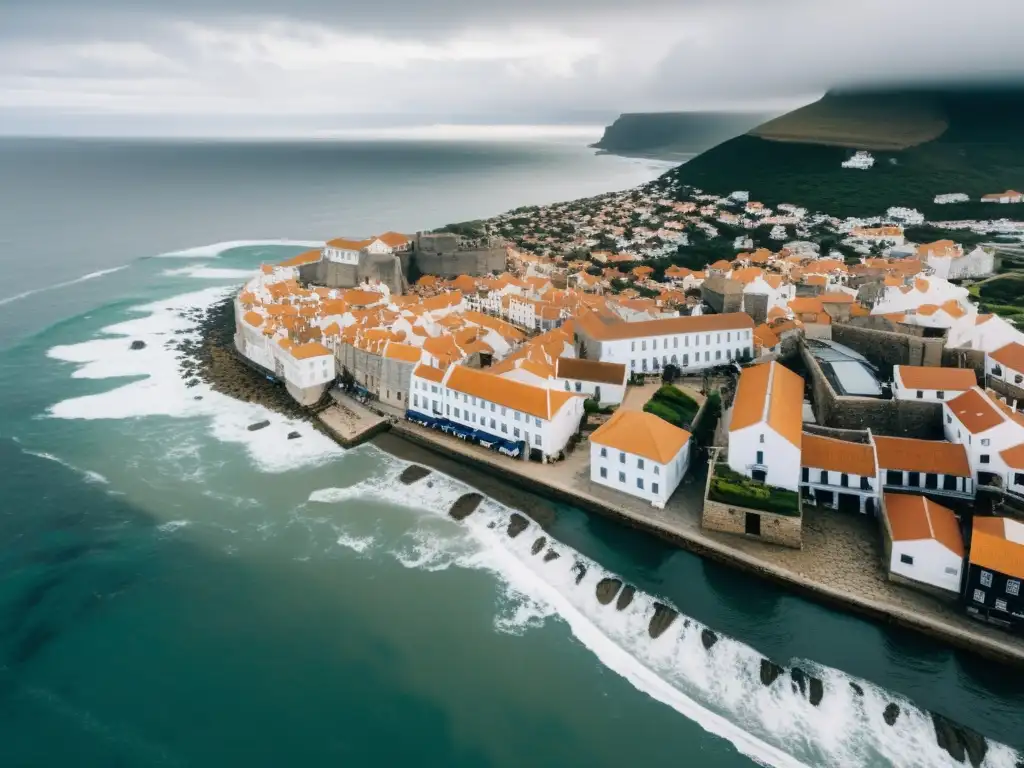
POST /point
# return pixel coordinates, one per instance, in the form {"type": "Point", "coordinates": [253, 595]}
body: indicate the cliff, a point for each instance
{"type": "Point", "coordinates": [673, 135]}
{"type": "Point", "coordinates": [925, 142]}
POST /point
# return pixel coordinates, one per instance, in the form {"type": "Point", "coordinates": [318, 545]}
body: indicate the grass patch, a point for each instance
{"type": "Point", "coordinates": [673, 405]}
{"type": "Point", "coordinates": [730, 487]}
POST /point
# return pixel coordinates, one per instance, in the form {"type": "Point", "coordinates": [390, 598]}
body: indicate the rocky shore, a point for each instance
{"type": "Point", "coordinates": [212, 359]}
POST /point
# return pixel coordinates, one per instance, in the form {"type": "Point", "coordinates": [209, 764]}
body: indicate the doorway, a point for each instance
{"type": "Point", "coordinates": [752, 524]}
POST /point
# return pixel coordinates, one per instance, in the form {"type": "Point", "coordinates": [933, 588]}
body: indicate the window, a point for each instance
{"type": "Point", "coordinates": [433, 390]}
{"type": "Point", "coordinates": [952, 571]}
{"type": "Point", "coordinates": [1000, 605]}
{"type": "Point", "coordinates": [985, 441]}
{"type": "Point", "coordinates": [504, 427]}
{"type": "Point", "coordinates": [536, 422]}
{"type": "Point", "coordinates": [399, 396]}
{"type": "Point", "coordinates": [639, 463]}
{"type": "Point", "coordinates": [907, 559]}
{"type": "Point", "coordinates": [759, 459]}
{"type": "Point", "coordinates": [416, 401]}
{"type": "Point", "coordinates": [979, 596]}
{"type": "Point", "coordinates": [949, 419]}
{"type": "Point", "coordinates": [579, 387]}
{"type": "Point", "coordinates": [457, 416]}
{"type": "Point", "coordinates": [640, 483]}
{"type": "Point", "coordinates": [983, 458]}
{"type": "Point", "coordinates": [516, 431]}
{"type": "Point", "coordinates": [657, 469]}
{"type": "Point", "coordinates": [567, 386]}
{"type": "Point", "coordinates": [604, 472]}
{"type": "Point", "coordinates": [632, 346]}
{"type": "Point", "coordinates": [643, 345]}
{"type": "Point", "coordinates": [986, 579]}
{"type": "Point", "coordinates": [805, 475]}
{"type": "Point", "coordinates": [675, 342]}
{"type": "Point", "coordinates": [517, 416]}
{"type": "Point", "coordinates": [940, 394]}
{"type": "Point", "coordinates": [654, 487]}
{"type": "Point", "coordinates": [949, 482]}
{"type": "Point", "coordinates": [914, 479]}
{"type": "Point", "coordinates": [728, 337]}
{"type": "Point", "coordinates": [761, 438]}
{"type": "Point", "coordinates": [865, 484]}
{"type": "Point", "coordinates": [448, 409]}
{"type": "Point", "coordinates": [536, 439]}
{"type": "Point", "coordinates": [844, 480]}
{"type": "Point", "coordinates": [492, 407]}
{"type": "Point", "coordinates": [1013, 587]}
{"type": "Point", "coordinates": [492, 423]}
{"type": "Point", "coordinates": [622, 477]}
{"type": "Point", "coordinates": [502, 410]}
{"type": "Point", "coordinates": [604, 453]}
{"type": "Point", "coordinates": [824, 477]}
{"type": "Point", "coordinates": [622, 458]}
{"type": "Point", "coordinates": [718, 354]}
{"type": "Point", "coordinates": [920, 394]}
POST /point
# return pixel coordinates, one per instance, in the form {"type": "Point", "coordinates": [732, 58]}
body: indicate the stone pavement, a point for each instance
{"type": "Point", "coordinates": [350, 423]}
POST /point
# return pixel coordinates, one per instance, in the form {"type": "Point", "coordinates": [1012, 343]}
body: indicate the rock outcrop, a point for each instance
{"type": "Point", "coordinates": [892, 711]}
{"type": "Point", "coordinates": [550, 555]}
{"type": "Point", "coordinates": [607, 589]}
{"type": "Point", "coordinates": [517, 524]}
{"type": "Point", "coordinates": [661, 620]}
{"type": "Point", "coordinates": [138, 345]}
{"type": "Point", "coordinates": [465, 505]}
{"type": "Point", "coordinates": [817, 688]}
{"type": "Point", "coordinates": [258, 425]}
{"type": "Point", "coordinates": [625, 598]}
{"type": "Point", "coordinates": [959, 741]}
{"type": "Point", "coordinates": [856, 688]}
{"type": "Point", "coordinates": [708, 639]}
{"type": "Point", "coordinates": [413, 473]}
{"type": "Point", "coordinates": [294, 435]}
{"type": "Point", "coordinates": [770, 672]}
{"type": "Point", "coordinates": [580, 570]}
{"type": "Point", "coordinates": [538, 545]}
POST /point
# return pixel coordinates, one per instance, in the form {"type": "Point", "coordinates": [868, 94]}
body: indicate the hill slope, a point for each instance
{"type": "Point", "coordinates": [673, 135]}
{"type": "Point", "coordinates": [940, 142]}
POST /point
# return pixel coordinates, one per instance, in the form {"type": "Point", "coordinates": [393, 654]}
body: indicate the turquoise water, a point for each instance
{"type": "Point", "coordinates": [179, 591]}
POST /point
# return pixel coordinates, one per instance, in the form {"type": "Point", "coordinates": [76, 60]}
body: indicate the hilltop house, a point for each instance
{"type": "Point", "coordinates": [923, 544]}
{"type": "Point", "coordinates": [639, 454]}
{"type": "Point", "coordinates": [765, 434]}
{"type": "Point", "coordinates": [929, 383]}
{"type": "Point", "coordinates": [995, 571]}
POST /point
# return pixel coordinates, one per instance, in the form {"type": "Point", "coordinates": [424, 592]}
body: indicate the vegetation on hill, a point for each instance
{"type": "Point", "coordinates": [673, 134]}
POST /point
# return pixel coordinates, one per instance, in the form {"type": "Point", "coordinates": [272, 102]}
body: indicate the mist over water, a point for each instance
{"type": "Point", "coordinates": [178, 590]}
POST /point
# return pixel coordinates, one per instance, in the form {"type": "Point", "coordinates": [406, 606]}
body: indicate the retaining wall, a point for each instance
{"type": "Point", "coordinates": [889, 347]}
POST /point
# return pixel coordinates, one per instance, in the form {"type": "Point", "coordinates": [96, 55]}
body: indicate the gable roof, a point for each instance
{"type": "Point", "coordinates": [536, 401]}
{"type": "Point", "coordinates": [837, 455]}
{"type": "Point", "coordinates": [1011, 355]}
{"type": "Point", "coordinates": [593, 326]}
{"type": "Point", "coordinates": [590, 370]}
{"type": "Point", "coordinates": [930, 377]}
{"type": "Point", "coordinates": [975, 411]}
{"type": "Point", "coordinates": [997, 543]}
{"type": "Point", "coordinates": [772, 394]}
{"type": "Point", "coordinates": [909, 454]}
{"type": "Point", "coordinates": [641, 434]}
{"type": "Point", "coordinates": [916, 518]}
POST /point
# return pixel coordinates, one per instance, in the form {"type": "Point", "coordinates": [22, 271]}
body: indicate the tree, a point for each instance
{"type": "Point", "coordinates": [670, 373]}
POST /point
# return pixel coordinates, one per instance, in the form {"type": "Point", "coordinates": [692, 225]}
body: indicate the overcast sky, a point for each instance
{"type": "Point", "coordinates": [265, 66]}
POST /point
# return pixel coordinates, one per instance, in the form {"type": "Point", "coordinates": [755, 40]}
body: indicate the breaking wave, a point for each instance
{"type": "Point", "coordinates": [88, 474]}
{"type": "Point", "coordinates": [214, 250]}
{"type": "Point", "coordinates": [65, 284]}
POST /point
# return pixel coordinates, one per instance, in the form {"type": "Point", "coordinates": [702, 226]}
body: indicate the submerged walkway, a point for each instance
{"type": "Point", "coordinates": [840, 563]}
{"type": "Point", "coordinates": [349, 422]}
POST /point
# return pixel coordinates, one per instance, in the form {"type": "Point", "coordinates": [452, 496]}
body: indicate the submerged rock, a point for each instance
{"type": "Point", "coordinates": [708, 639]}
{"type": "Point", "coordinates": [770, 672]}
{"type": "Point", "coordinates": [138, 345]}
{"type": "Point", "coordinates": [960, 742]}
{"type": "Point", "coordinates": [580, 570]}
{"type": "Point", "coordinates": [799, 680]}
{"type": "Point", "coordinates": [517, 524]}
{"type": "Point", "coordinates": [538, 545]}
{"type": "Point", "coordinates": [258, 425]}
{"type": "Point", "coordinates": [817, 691]}
{"type": "Point", "coordinates": [465, 505]}
{"type": "Point", "coordinates": [294, 435]}
{"type": "Point", "coordinates": [625, 598]}
{"type": "Point", "coordinates": [661, 620]}
{"type": "Point", "coordinates": [856, 688]}
{"type": "Point", "coordinates": [892, 711]}
{"type": "Point", "coordinates": [607, 589]}
{"type": "Point", "coordinates": [412, 474]}
{"type": "Point", "coordinates": [550, 555]}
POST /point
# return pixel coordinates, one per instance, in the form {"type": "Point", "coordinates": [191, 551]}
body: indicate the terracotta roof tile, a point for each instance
{"type": "Point", "coordinates": [975, 411]}
{"type": "Point", "coordinates": [1010, 355]}
{"type": "Point", "coordinates": [997, 543]}
{"type": "Point", "coordinates": [930, 377]}
{"type": "Point", "coordinates": [837, 455]}
{"type": "Point", "coordinates": [912, 455]}
{"type": "Point", "coordinates": [914, 518]}
{"type": "Point", "coordinates": [641, 434]}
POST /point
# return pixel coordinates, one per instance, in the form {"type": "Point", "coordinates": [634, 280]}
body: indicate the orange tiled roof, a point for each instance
{"type": "Point", "coordinates": [253, 319]}
{"type": "Point", "coordinates": [590, 324]}
{"type": "Point", "coordinates": [930, 377]}
{"type": "Point", "coordinates": [1010, 355]}
{"type": "Point", "coordinates": [404, 352]}
{"type": "Point", "coordinates": [308, 350]}
{"type": "Point", "coordinates": [914, 518]}
{"type": "Point", "coordinates": [975, 411]}
{"type": "Point", "coordinates": [837, 455]}
{"type": "Point", "coordinates": [911, 455]}
{"type": "Point", "coordinates": [535, 401]}
{"type": "Point", "coordinates": [993, 545]}
{"type": "Point", "coordinates": [344, 244]}
{"type": "Point", "coordinates": [770, 393]}
{"type": "Point", "coordinates": [308, 257]}
{"type": "Point", "coordinates": [641, 434]}
{"type": "Point", "coordinates": [429, 373]}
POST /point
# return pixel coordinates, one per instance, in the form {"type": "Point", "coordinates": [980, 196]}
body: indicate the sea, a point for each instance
{"type": "Point", "coordinates": [176, 590]}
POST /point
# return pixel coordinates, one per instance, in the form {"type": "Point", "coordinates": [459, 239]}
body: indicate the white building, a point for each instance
{"type": "Point", "coordinates": [1010, 196]}
{"type": "Point", "coordinates": [604, 382]}
{"type": "Point", "coordinates": [639, 454]}
{"type": "Point", "coordinates": [883, 235]}
{"type": "Point", "coordinates": [690, 343]}
{"type": "Point", "coordinates": [923, 543]}
{"type": "Point", "coordinates": [948, 260]}
{"type": "Point", "coordinates": [861, 160]}
{"type": "Point", "coordinates": [935, 466]}
{"type": "Point", "coordinates": [765, 425]}
{"type": "Point", "coordinates": [306, 368]}
{"type": "Point", "coordinates": [985, 427]}
{"type": "Point", "coordinates": [986, 332]}
{"type": "Point", "coordinates": [839, 474]}
{"type": "Point", "coordinates": [498, 408]}
{"type": "Point", "coordinates": [1007, 364]}
{"type": "Point", "coordinates": [931, 384]}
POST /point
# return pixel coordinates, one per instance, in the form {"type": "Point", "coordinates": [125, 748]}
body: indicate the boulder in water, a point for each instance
{"type": "Point", "coordinates": [770, 672]}
{"type": "Point", "coordinates": [465, 505]}
{"type": "Point", "coordinates": [708, 639]}
{"type": "Point", "coordinates": [817, 689]}
{"type": "Point", "coordinates": [412, 474]}
{"type": "Point", "coordinates": [661, 620]}
{"type": "Point", "coordinates": [799, 680]}
{"type": "Point", "coordinates": [258, 425]}
{"type": "Point", "coordinates": [538, 545]}
{"type": "Point", "coordinates": [625, 598]}
{"type": "Point", "coordinates": [517, 524]}
{"type": "Point", "coordinates": [550, 555]}
{"type": "Point", "coordinates": [959, 741]}
{"type": "Point", "coordinates": [580, 570]}
{"type": "Point", "coordinates": [294, 435]}
{"type": "Point", "coordinates": [856, 688]}
{"type": "Point", "coordinates": [607, 589]}
{"type": "Point", "coordinates": [892, 711]}
{"type": "Point", "coordinates": [138, 345]}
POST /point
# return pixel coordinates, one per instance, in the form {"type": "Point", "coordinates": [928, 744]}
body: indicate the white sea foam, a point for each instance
{"type": "Point", "coordinates": [173, 525]}
{"type": "Point", "coordinates": [216, 249]}
{"type": "Point", "coordinates": [90, 475]}
{"type": "Point", "coordinates": [210, 273]}
{"type": "Point", "coordinates": [358, 544]}
{"type": "Point", "coordinates": [719, 689]}
{"type": "Point", "coordinates": [161, 391]}
{"type": "Point", "coordinates": [65, 284]}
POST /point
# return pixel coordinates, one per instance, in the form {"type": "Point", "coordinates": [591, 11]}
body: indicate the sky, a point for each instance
{"type": "Point", "coordinates": [317, 66]}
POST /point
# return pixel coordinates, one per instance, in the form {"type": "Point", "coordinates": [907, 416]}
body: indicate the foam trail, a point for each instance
{"type": "Point", "coordinates": [210, 273]}
{"type": "Point", "coordinates": [161, 391]}
{"type": "Point", "coordinates": [65, 284]}
{"type": "Point", "coordinates": [720, 689]}
{"type": "Point", "coordinates": [88, 474]}
{"type": "Point", "coordinates": [216, 249]}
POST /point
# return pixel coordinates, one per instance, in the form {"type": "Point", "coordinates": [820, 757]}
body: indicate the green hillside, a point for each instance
{"type": "Point", "coordinates": [981, 151]}
{"type": "Point", "coordinates": [673, 135]}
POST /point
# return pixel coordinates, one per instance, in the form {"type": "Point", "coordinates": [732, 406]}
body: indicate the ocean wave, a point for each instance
{"type": "Point", "coordinates": [161, 391]}
{"type": "Point", "coordinates": [65, 284]}
{"type": "Point", "coordinates": [214, 250]}
{"type": "Point", "coordinates": [89, 475]}
{"type": "Point", "coordinates": [718, 688]}
{"type": "Point", "coordinates": [210, 273]}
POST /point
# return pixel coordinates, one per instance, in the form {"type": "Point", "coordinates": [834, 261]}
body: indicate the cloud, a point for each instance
{"type": "Point", "coordinates": [531, 60]}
